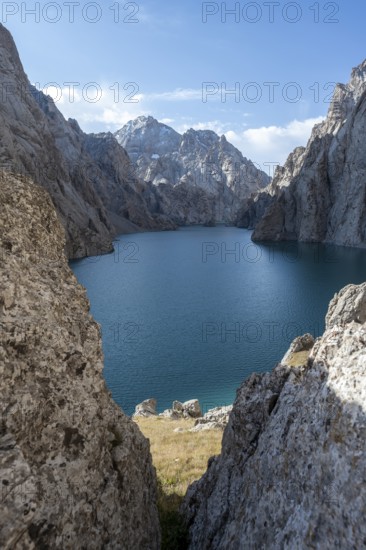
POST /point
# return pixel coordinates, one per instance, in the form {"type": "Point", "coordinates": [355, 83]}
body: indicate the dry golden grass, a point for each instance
{"type": "Point", "coordinates": [179, 458]}
{"type": "Point", "coordinates": [298, 359]}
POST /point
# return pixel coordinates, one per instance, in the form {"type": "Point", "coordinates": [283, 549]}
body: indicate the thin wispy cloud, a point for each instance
{"type": "Point", "coordinates": [272, 144]}
{"type": "Point", "coordinates": [167, 120]}
{"type": "Point", "coordinates": [265, 144]}
{"type": "Point", "coordinates": [180, 94]}
{"type": "Point", "coordinates": [98, 110]}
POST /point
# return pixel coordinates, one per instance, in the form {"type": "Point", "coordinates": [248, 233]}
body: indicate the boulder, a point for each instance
{"type": "Point", "coordinates": [214, 419]}
{"type": "Point", "coordinates": [192, 408]}
{"type": "Point", "coordinates": [170, 413]}
{"type": "Point", "coordinates": [177, 406]}
{"type": "Point", "coordinates": [188, 409]}
{"type": "Point", "coordinates": [146, 408]}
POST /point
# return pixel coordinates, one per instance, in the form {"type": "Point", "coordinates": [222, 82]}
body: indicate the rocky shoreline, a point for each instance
{"type": "Point", "coordinates": [291, 470]}
{"type": "Point", "coordinates": [213, 419]}
{"type": "Point", "coordinates": [75, 472]}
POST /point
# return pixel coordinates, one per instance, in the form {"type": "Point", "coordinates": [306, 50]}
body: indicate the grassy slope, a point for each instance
{"type": "Point", "coordinates": [179, 458]}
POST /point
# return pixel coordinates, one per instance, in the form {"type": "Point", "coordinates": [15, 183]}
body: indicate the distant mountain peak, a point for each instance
{"type": "Point", "coordinates": [195, 160]}
{"type": "Point", "coordinates": [143, 120]}
{"type": "Point", "coordinates": [89, 176]}
{"type": "Point", "coordinates": [357, 81]}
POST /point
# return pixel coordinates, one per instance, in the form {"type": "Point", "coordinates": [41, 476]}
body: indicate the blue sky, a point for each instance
{"type": "Point", "coordinates": [175, 60]}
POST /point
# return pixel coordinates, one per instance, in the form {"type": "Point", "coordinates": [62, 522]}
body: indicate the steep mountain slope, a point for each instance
{"type": "Point", "coordinates": [291, 471]}
{"type": "Point", "coordinates": [195, 163]}
{"type": "Point", "coordinates": [320, 195]}
{"type": "Point", "coordinates": [254, 208]}
{"type": "Point", "coordinates": [89, 178]}
{"type": "Point", "coordinates": [75, 472]}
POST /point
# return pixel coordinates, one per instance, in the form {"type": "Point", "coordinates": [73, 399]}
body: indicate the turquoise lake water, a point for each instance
{"type": "Point", "coordinates": [191, 313]}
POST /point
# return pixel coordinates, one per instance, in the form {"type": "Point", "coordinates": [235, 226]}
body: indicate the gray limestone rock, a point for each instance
{"type": "Point", "coordinates": [253, 209]}
{"type": "Point", "coordinates": [191, 409]}
{"type": "Point", "coordinates": [146, 408]}
{"type": "Point", "coordinates": [170, 413]}
{"type": "Point", "coordinates": [213, 419]}
{"type": "Point", "coordinates": [320, 194]}
{"type": "Point", "coordinates": [177, 406]}
{"type": "Point", "coordinates": [89, 177]}
{"type": "Point", "coordinates": [291, 471]}
{"type": "Point", "coordinates": [199, 177]}
{"type": "Point", "coordinates": [75, 472]}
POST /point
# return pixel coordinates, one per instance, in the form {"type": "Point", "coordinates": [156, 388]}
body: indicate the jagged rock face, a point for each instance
{"type": "Point", "coordinates": [146, 408]}
{"type": "Point", "coordinates": [214, 419]}
{"type": "Point", "coordinates": [123, 194]}
{"type": "Point", "coordinates": [198, 161]}
{"type": "Point", "coordinates": [88, 177]}
{"type": "Point", "coordinates": [291, 471]}
{"type": "Point", "coordinates": [144, 136]}
{"type": "Point", "coordinates": [184, 204]}
{"type": "Point", "coordinates": [253, 209]}
{"type": "Point", "coordinates": [75, 472]}
{"type": "Point", "coordinates": [322, 197]}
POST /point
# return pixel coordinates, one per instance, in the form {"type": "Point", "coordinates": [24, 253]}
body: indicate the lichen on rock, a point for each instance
{"type": "Point", "coordinates": [291, 471]}
{"type": "Point", "coordinates": [75, 472]}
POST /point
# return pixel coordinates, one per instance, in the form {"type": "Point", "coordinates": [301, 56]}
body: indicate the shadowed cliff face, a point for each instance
{"type": "Point", "coordinates": [291, 471]}
{"type": "Point", "coordinates": [95, 188]}
{"type": "Point", "coordinates": [89, 177]}
{"type": "Point", "coordinates": [253, 208]}
{"type": "Point", "coordinates": [319, 196]}
{"type": "Point", "coordinates": [198, 177]}
{"type": "Point", "coordinates": [75, 472]}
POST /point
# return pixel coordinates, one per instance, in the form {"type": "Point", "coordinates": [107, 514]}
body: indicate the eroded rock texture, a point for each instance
{"type": "Point", "coordinates": [320, 194]}
{"type": "Point", "coordinates": [75, 472]}
{"type": "Point", "coordinates": [291, 474]}
{"type": "Point", "coordinates": [89, 177]}
{"type": "Point", "coordinates": [198, 177]}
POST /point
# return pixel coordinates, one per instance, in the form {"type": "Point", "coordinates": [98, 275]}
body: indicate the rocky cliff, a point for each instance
{"type": "Point", "coordinates": [291, 471]}
{"type": "Point", "coordinates": [75, 472]}
{"type": "Point", "coordinates": [320, 195]}
{"type": "Point", "coordinates": [254, 207]}
{"type": "Point", "coordinates": [198, 177]}
{"type": "Point", "coordinates": [89, 177]}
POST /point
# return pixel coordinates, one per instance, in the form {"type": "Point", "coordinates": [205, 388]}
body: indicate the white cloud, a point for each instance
{"type": "Point", "coordinates": [166, 120]}
{"type": "Point", "coordinates": [272, 143]}
{"type": "Point", "coordinates": [179, 94]}
{"type": "Point", "coordinates": [63, 95]}
{"type": "Point", "coordinates": [267, 144]}
{"type": "Point", "coordinates": [113, 117]}
{"type": "Point", "coordinates": [100, 108]}
{"type": "Point", "coordinates": [216, 125]}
